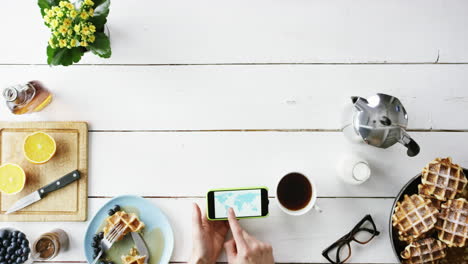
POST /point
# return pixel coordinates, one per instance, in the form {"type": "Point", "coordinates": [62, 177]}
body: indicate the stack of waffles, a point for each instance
{"type": "Point", "coordinates": [436, 219]}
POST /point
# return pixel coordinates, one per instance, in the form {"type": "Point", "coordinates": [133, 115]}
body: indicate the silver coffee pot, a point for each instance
{"type": "Point", "coordinates": [380, 121]}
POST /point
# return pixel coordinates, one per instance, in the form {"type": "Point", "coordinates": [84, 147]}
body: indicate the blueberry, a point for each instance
{"type": "Point", "coordinates": [21, 235]}
{"type": "Point", "coordinates": [116, 208]}
{"type": "Point", "coordinates": [111, 212]}
{"type": "Point", "coordinates": [96, 250]}
{"type": "Point", "coordinates": [14, 234]}
{"type": "Point", "coordinates": [19, 252]}
{"type": "Point", "coordinates": [10, 250]}
{"type": "Point", "coordinates": [101, 235]}
{"type": "Point", "coordinates": [3, 234]}
{"type": "Point", "coordinates": [96, 238]}
{"type": "Point", "coordinates": [13, 245]}
{"type": "Point", "coordinates": [3, 262]}
{"type": "Point", "coordinates": [102, 262]}
{"type": "Point", "coordinates": [2, 251]}
{"type": "Point", "coordinates": [2, 258]}
{"type": "Point", "coordinates": [24, 258]}
{"type": "Point", "coordinates": [110, 262]}
{"type": "Point", "coordinates": [7, 256]}
{"type": "Point", "coordinates": [26, 250]}
{"type": "Point", "coordinates": [94, 244]}
{"type": "Point", "coordinates": [25, 243]}
{"type": "Point", "coordinates": [6, 243]}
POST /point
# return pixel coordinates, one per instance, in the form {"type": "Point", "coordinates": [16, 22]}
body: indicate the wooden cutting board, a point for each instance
{"type": "Point", "coordinates": [67, 204]}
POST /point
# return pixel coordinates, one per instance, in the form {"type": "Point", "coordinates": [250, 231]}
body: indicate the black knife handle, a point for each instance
{"type": "Point", "coordinates": [60, 183]}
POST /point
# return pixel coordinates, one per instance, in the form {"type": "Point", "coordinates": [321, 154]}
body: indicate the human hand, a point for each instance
{"type": "Point", "coordinates": [244, 248]}
{"type": "Point", "coordinates": [207, 238]}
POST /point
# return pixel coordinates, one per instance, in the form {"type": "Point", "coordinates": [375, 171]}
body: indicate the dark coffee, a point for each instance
{"type": "Point", "coordinates": [294, 191]}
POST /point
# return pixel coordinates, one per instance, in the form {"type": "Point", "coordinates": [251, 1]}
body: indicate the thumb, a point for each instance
{"type": "Point", "coordinates": [196, 218]}
{"type": "Point", "coordinates": [230, 247]}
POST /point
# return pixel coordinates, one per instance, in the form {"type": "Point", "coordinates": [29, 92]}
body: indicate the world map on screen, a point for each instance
{"type": "Point", "coordinates": [244, 203]}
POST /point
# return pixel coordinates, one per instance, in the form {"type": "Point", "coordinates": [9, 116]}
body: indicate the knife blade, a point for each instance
{"type": "Point", "coordinates": [42, 192]}
{"type": "Point", "coordinates": [141, 246]}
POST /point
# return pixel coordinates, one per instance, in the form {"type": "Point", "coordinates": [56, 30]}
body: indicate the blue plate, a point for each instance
{"type": "Point", "coordinates": [151, 215]}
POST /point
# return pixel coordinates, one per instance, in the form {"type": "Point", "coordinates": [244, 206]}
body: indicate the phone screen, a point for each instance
{"type": "Point", "coordinates": [245, 203]}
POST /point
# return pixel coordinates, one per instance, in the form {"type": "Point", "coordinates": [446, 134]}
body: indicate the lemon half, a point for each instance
{"type": "Point", "coordinates": [12, 178]}
{"type": "Point", "coordinates": [39, 147]}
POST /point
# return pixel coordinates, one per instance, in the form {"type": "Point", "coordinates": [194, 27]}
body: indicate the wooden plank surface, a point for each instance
{"type": "Point", "coordinates": [207, 160]}
{"type": "Point", "coordinates": [265, 31]}
{"type": "Point", "coordinates": [294, 239]}
{"type": "Point", "coordinates": [67, 204]}
{"type": "Point", "coordinates": [241, 97]}
{"type": "Point", "coordinates": [155, 125]}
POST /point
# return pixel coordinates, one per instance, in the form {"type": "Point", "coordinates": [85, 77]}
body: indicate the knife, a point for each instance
{"type": "Point", "coordinates": [42, 192]}
{"type": "Point", "coordinates": [141, 246]}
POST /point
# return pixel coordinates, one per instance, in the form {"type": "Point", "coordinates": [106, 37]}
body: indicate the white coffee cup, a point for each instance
{"type": "Point", "coordinates": [311, 204]}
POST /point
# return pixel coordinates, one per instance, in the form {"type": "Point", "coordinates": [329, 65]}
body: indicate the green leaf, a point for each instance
{"type": "Point", "coordinates": [101, 10]}
{"type": "Point", "coordinates": [101, 45]}
{"type": "Point", "coordinates": [43, 4]}
{"type": "Point", "coordinates": [63, 56]}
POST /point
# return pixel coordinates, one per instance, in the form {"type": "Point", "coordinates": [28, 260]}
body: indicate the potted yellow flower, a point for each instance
{"type": "Point", "coordinates": [76, 28]}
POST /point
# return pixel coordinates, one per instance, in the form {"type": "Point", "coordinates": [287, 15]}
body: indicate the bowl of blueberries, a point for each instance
{"type": "Point", "coordinates": [14, 246]}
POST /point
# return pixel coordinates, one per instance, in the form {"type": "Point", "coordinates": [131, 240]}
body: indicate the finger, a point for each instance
{"type": "Point", "coordinates": [237, 231]}
{"type": "Point", "coordinates": [196, 217]}
{"type": "Point", "coordinates": [230, 247]}
{"type": "Point", "coordinates": [204, 219]}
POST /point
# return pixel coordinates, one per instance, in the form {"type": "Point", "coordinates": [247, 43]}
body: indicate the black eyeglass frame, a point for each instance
{"type": "Point", "coordinates": [349, 237]}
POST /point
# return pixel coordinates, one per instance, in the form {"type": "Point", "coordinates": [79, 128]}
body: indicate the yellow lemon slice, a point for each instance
{"type": "Point", "coordinates": [39, 147]}
{"type": "Point", "coordinates": [12, 178]}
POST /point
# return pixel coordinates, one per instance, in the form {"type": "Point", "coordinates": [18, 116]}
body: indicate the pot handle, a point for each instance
{"type": "Point", "coordinates": [413, 148]}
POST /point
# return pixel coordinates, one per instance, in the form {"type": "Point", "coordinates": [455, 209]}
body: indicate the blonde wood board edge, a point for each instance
{"type": "Point", "coordinates": [52, 208]}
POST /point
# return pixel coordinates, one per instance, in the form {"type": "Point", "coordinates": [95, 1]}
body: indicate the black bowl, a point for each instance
{"type": "Point", "coordinates": [29, 260]}
{"type": "Point", "coordinates": [410, 188]}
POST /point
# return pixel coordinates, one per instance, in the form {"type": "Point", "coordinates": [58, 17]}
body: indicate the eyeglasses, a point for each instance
{"type": "Point", "coordinates": [340, 251]}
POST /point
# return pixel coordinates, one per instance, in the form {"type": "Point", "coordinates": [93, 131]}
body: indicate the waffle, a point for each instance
{"type": "Point", "coordinates": [442, 179]}
{"type": "Point", "coordinates": [452, 225]}
{"type": "Point", "coordinates": [133, 258]}
{"type": "Point", "coordinates": [414, 217]}
{"type": "Point", "coordinates": [424, 251]}
{"type": "Point", "coordinates": [130, 221]}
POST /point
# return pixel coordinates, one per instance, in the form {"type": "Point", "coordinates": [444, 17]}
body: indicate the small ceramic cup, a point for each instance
{"type": "Point", "coordinates": [311, 204]}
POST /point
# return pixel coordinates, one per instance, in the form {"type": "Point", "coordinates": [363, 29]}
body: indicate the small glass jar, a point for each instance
{"type": "Point", "coordinates": [27, 98]}
{"type": "Point", "coordinates": [353, 169]}
{"type": "Point", "coordinates": [48, 245]}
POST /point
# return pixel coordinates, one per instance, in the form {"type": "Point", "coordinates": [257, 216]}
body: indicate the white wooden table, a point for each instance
{"type": "Point", "coordinates": [209, 93]}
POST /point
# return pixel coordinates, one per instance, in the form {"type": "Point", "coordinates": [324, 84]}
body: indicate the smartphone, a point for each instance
{"type": "Point", "coordinates": [246, 202]}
